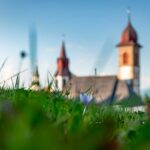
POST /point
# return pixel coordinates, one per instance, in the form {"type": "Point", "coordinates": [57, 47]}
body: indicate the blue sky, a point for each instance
{"type": "Point", "coordinates": [92, 29]}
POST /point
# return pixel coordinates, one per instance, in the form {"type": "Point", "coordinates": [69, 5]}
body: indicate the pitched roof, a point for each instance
{"type": "Point", "coordinates": [103, 88]}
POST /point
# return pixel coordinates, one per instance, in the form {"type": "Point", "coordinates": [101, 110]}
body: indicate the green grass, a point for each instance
{"type": "Point", "coordinates": [41, 120]}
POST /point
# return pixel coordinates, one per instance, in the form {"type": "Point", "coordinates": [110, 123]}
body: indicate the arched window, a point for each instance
{"type": "Point", "coordinates": [125, 58]}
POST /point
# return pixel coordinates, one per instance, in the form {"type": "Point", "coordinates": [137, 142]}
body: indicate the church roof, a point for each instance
{"type": "Point", "coordinates": [63, 63]}
{"type": "Point", "coordinates": [103, 88]}
{"type": "Point", "coordinates": [129, 36]}
{"type": "Point", "coordinates": [63, 51]}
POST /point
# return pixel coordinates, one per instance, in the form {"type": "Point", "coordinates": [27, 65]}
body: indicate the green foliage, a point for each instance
{"type": "Point", "coordinates": [42, 120]}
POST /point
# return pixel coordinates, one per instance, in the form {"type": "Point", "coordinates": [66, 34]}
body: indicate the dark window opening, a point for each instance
{"type": "Point", "coordinates": [56, 83]}
{"type": "Point", "coordinates": [64, 82]}
{"type": "Point", "coordinates": [136, 60]}
{"type": "Point", "coordinates": [125, 59]}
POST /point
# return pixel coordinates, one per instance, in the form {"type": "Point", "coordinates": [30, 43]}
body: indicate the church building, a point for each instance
{"type": "Point", "coordinates": [105, 88]}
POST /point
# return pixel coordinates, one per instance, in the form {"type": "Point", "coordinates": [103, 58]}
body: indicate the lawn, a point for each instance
{"type": "Point", "coordinates": [41, 120]}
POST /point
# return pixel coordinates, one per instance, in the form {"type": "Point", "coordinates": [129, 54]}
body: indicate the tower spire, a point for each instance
{"type": "Point", "coordinates": [63, 37]}
{"type": "Point", "coordinates": [63, 51]}
{"type": "Point", "coordinates": [129, 14]}
{"type": "Point", "coordinates": [129, 35]}
{"type": "Point", "coordinates": [35, 85]}
{"type": "Point", "coordinates": [63, 73]}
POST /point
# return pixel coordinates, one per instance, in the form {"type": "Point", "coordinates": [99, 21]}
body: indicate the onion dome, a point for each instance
{"type": "Point", "coordinates": [129, 35]}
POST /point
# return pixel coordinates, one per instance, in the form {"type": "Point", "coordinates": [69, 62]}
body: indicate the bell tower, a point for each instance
{"type": "Point", "coordinates": [63, 73]}
{"type": "Point", "coordinates": [129, 57]}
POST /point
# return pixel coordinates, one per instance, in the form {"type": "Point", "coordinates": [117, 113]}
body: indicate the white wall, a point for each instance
{"type": "Point", "coordinates": [60, 82]}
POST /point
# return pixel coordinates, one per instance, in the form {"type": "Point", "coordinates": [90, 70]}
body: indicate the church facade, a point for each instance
{"type": "Point", "coordinates": [105, 88]}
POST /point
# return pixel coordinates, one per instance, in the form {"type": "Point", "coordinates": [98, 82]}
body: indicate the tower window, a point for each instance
{"type": "Point", "coordinates": [125, 58]}
{"type": "Point", "coordinates": [136, 59]}
{"type": "Point", "coordinates": [64, 82]}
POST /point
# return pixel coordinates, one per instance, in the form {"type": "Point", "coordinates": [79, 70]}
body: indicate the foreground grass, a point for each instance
{"type": "Point", "coordinates": [40, 120]}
